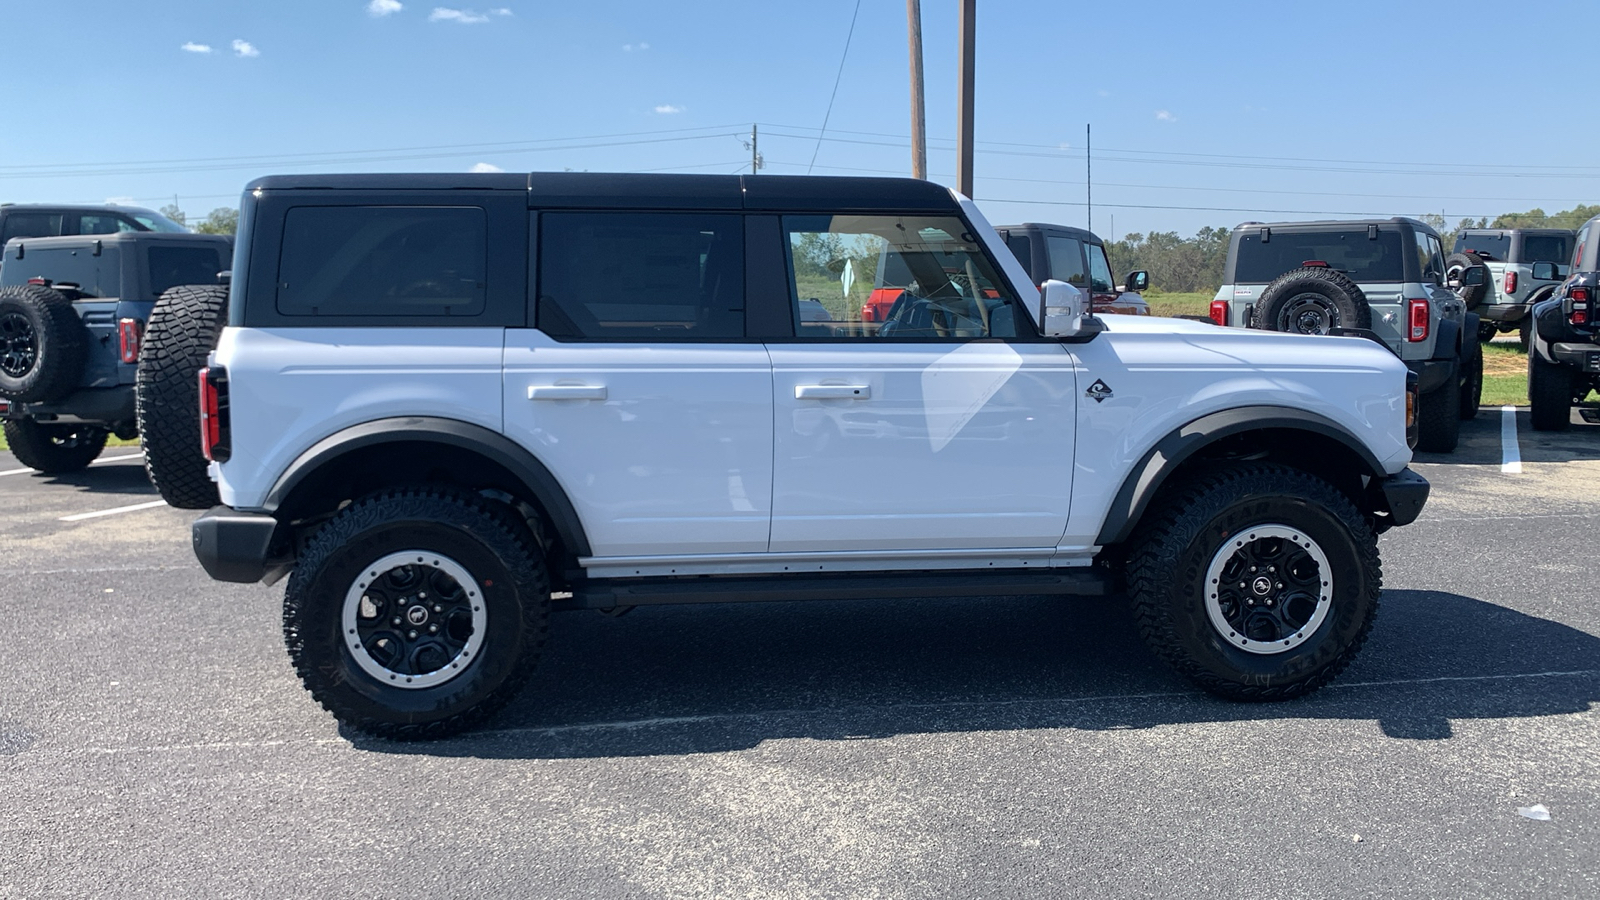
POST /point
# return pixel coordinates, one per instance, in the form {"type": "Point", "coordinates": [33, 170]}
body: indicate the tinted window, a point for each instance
{"type": "Point", "coordinates": [1577, 251]}
{"type": "Point", "coordinates": [104, 223]}
{"type": "Point", "coordinates": [1022, 248]}
{"type": "Point", "coordinates": [96, 276]}
{"type": "Point", "coordinates": [172, 266]}
{"type": "Point", "coordinates": [382, 261]}
{"type": "Point", "coordinates": [1430, 258]}
{"type": "Point", "coordinates": [1066, 259]}
{"type": "Point", "coordinates": [641, 275]}
{"type": "Point", "coordinates": [1495, 243]}
{"type": "Point", "coordinates": [31, 225]}
{"type": "Point", "coordinates": [1551, 248]}
{"type": "Point", "coordinates": [1099, 270]}
{"type": "Point", "coordinates": [1352, 252]}
{"type": "Point", "coordinates": [928, 279]}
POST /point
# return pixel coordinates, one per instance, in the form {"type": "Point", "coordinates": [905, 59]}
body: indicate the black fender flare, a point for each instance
{"type": "Point", "coordinates": [452, 433]}
{"type": "Point", "coordinates": [1448, 343]}
{"type": "Point", "coordinates": [1145, 479]}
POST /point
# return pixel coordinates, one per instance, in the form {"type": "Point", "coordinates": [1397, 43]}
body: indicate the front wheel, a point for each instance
{"type": "Point", "coordinates": [1256, 582]}
{"type": "Point", "coordinates": [54, 449]}
{"type": "Point", "coordinates": [1439, 415]}
{"type": "Point", "coordinates": [1472, 384]}
{"type": "Point", "coordinates": [417, 613]}
{"type": "Point", "coordinates": [1550, 394]}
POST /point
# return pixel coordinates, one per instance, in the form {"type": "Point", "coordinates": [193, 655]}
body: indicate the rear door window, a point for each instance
{"type": "Point", "coordinates": [31, 225]}
{"type": "Point", "coordinates": [104, 223]}
{"type": "Point", "coordinates": [1362, 258]}
{"type": "Point", "coordinates": [632, 275]}
{"type": "Point", "coordinates": [382, 261]}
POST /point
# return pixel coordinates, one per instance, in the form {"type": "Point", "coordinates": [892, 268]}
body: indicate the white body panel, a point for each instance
{"type": "Point", "coordinates": [291, 387]}
{"type": "Point", "coordinates": [949, 446]}
{"type": "Point", "coordinates": [677, 457]}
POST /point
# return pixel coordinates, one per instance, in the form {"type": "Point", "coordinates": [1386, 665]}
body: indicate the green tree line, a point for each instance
{"type": "Point", "coordinates": [222, 220]}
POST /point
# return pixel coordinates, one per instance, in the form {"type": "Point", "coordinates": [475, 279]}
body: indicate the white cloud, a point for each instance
{"type": "Point", "coordinates": [244, 48]}
{"type": "Point", "coordinates": [459, 16]}
{"type": "Point", "coordinates": [120, 201]}
{"type": "Point", "coordinates": [381, 8]}
{"type": "Point", "coordinates": [500, 11]}
{"type": "Point", "coordinates": [667, 109]}
{"type": "Point", "coordinates": [1164, 116]}
{"type": "Point", "coordinates": [485, 167]}
{"type": "Point", "coordinates": [192, 47]}
{"type": "Point", "coordinates": [629, 48]}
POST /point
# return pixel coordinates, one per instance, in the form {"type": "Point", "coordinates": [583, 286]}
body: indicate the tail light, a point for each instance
{"type": "Point", "coordinates": [1219, 312]}
{"type": "Point", "coordinates": [130, 334]}
{"type": "Point", "coordinates": [1413, 390]}
{"type": "Point", "coordinates": [1417, 318]}
{"type": "Point", "coordinates": [1511, 282]}
{"type": "Point", "coordinates": [5, 407]}
{"type": "Point", "coordinates": [214, 437]}
{"type": "Point", "coordinates": [1579, 296]}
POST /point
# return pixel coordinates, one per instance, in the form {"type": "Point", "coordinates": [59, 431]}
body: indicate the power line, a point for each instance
{"type": "Point", "coordinates": [836, 79]}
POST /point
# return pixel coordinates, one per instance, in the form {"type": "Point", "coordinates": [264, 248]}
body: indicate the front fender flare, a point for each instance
{"type": "Point", "coordinates": [1144, 481]}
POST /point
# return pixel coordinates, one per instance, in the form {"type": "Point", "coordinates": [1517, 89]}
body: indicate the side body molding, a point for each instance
{"type": "Point", "coordinates": [491, 445]}
{"type": "Point", "coordinates": [1145, 479]}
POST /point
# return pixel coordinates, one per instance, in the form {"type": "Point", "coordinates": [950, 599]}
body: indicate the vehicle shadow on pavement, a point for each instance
{"type": "Point", "coordinates": [713, 678]}
{"type": "Point", "coordinates": [1481, 443]}
{"type": "Point", "coordinates": [119, 478]}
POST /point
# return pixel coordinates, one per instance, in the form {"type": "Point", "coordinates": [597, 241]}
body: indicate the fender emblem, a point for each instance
{"type": "Point", "coordinates": [1099, 391]}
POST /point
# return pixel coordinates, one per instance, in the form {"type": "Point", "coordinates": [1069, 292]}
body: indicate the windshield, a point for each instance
{"type": "Point", "coordinates": [157, 222]}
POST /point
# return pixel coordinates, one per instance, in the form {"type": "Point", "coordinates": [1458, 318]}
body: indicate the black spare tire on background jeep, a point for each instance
{"type": "Point", "coordinates": [1472, 294]}
{"type": "Point", "coordinates": [1312, 300]}
{"type": "Point", "coordinates": [182, 332]}
{"type": "Point", "coordinates": [43, 344]}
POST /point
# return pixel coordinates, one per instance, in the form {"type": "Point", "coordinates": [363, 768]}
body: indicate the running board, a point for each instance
{"type": "Point", "coordinates": [614, 593]}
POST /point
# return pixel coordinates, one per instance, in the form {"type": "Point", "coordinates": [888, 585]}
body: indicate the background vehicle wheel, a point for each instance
{"type": "Point", "coordinates": [1312, 300]}
{"type": "Point", "coordinates": [1256, 582]}
{"type": "Point", "coordinates": [1550, 389]}
{"type": "Point", "coordinates": [1487, 331]}
{"type": "Point", "coordinates": [1457, 263]}
{"type": "Point", "coordinates": [182, 331]}
{"type": "Point", "coordinates": [417, 613]}
{"type": "Point", "coordinates": [54, 449]}
{"type": "Point", "coordinates": [1439, 415]}
{"type": "Point", "coordinates": [1525, 333]}
{"type": "Point", "coordinates": [1472, 383]}
{"type": "Point", "coordinates": [43, 344]}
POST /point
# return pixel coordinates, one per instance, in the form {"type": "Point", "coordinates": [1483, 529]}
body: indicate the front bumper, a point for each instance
{"type": "Point", "coordinates": [1398, 499]}
{"type": "Point", "coordinates": [1583, 356]}
{"type": "Point", "coordinates": [238, 546]}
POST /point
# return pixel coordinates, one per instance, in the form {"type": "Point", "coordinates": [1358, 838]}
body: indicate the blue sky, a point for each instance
{"type": "Point", "coordinates": [1203, 114]}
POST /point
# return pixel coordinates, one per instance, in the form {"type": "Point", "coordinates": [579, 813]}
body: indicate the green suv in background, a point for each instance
{"type": "Point", "coordinates": [1507, 295]}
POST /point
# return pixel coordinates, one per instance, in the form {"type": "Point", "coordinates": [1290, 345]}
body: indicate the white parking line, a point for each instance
{"type": "Point", "coordinates": [1512, 456]}
{"type": "Point", "coordinates": [111, 512]}
{"type": "Point", "coordinates": [103, 459]}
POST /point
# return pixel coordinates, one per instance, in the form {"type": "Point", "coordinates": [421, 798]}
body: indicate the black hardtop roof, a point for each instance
{"type": "Point", "coordinates": [1079, 233]}
{"type": "Point", "coordinates": [1337, 223]}
{"type": "Point", "coordinates": [1466, 231]}
{"type": "Point", "coordinates": [652, 191]}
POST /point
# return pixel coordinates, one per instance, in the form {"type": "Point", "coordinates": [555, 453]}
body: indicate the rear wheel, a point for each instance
{"type": "Point", "coordinates": [1472, 383]}
{"type": "Point", "coordinates": [1256, 582]}
{"type": "Point", "coordinates": [417, 613]}
{"type": "Point", "coordinates": [1439, 415]}
{"type": "Point", "coordinates": [183, 330]}
{"type": "Point", "coordinates": [1550, 390]}
{"type": "Point", "coordinates": [54, 449]}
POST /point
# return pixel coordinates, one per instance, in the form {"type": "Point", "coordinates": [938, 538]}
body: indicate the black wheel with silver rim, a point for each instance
{"type": "Point", "coordinates": [417, 613]}
{"type": "Point", "coordinates": [1307, 314]}
{"type": "Point", "coordinates": [19, 345]}
{"type": "Point", "coordinates": [1255, 581]}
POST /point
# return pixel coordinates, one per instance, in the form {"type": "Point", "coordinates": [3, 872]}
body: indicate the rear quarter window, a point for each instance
{"type": "Point", "coordinates": [172, 266]}
{"type": "Point", "coordinates": [383, 261]}
{"type": "Point", "coordinates": [1362, 258]}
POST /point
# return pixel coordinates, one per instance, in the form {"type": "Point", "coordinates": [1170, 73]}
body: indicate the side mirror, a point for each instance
{"type": "Point", "coordinates": [1066, 313]}
{"type": "Point", "coordinates": [1137, 281]}
{"type": "Point", "coordinates": [1477, 275]}
{"type": "Point", "coordinates": [1544, 271]}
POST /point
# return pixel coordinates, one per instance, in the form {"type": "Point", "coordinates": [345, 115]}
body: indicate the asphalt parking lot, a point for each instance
{"type": "Point", "coordinates": [155, 742]}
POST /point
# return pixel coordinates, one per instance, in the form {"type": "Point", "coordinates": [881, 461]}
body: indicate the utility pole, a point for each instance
{"type": "Point", "coordinates": [919, 115]}
{"type": "Point", "coordinates": [1088, 173]}
{"type": "Point", "coordinates": [755, 153]}
{"type": "Point", "coordinates": [964, 98]}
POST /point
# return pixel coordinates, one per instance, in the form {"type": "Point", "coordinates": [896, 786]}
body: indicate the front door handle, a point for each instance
{"type": "Point", "coordinates": [566, 392]}
{"type": "Point", "coordinates": [832, 391]}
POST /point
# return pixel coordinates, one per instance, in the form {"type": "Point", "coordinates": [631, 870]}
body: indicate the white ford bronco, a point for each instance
{"type": "Point", "coordinates": [446, 406]}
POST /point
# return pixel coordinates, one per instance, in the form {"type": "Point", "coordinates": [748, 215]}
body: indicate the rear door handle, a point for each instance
{"type": "Point", "coordinates": [566, 392]}
{"type": "Point", "coordinates": [832, 391]}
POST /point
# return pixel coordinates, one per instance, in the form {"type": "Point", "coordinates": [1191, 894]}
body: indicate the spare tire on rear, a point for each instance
{"type": "Point", "coordinates": [1457, 263]}
{"type": "Point", "coordinates": [43, 344]}
{"type": "Point", "coordinates": [182, 331]}
{"type": "Point", "coordinates": [1312, 300]}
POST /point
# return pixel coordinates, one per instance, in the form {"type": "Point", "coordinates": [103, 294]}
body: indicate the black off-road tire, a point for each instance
{"type": "Point", "coordinates": [1194, 523]}
{"type": "Point", "coordinates": [43, 344]}
{"type": "Point", "coordinates": [54, 449]}
{"type": "Point", "coordinates": [1472, 382]}
{"type": "Point", "coordinates": [183, 329]}
{"type": "Point", "coordinates": [495, 549]}
{"type": "Point", "coordinates": [1439, 415]}
{"type": "Point", "coordinates": [1550, 394]}
{"type": "Point", "coordinates": [1472, 295]}
{"type": "Point", "coordinates": [1311, 300]}
{"type": "Point", "coordinates": [1487, 330]}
